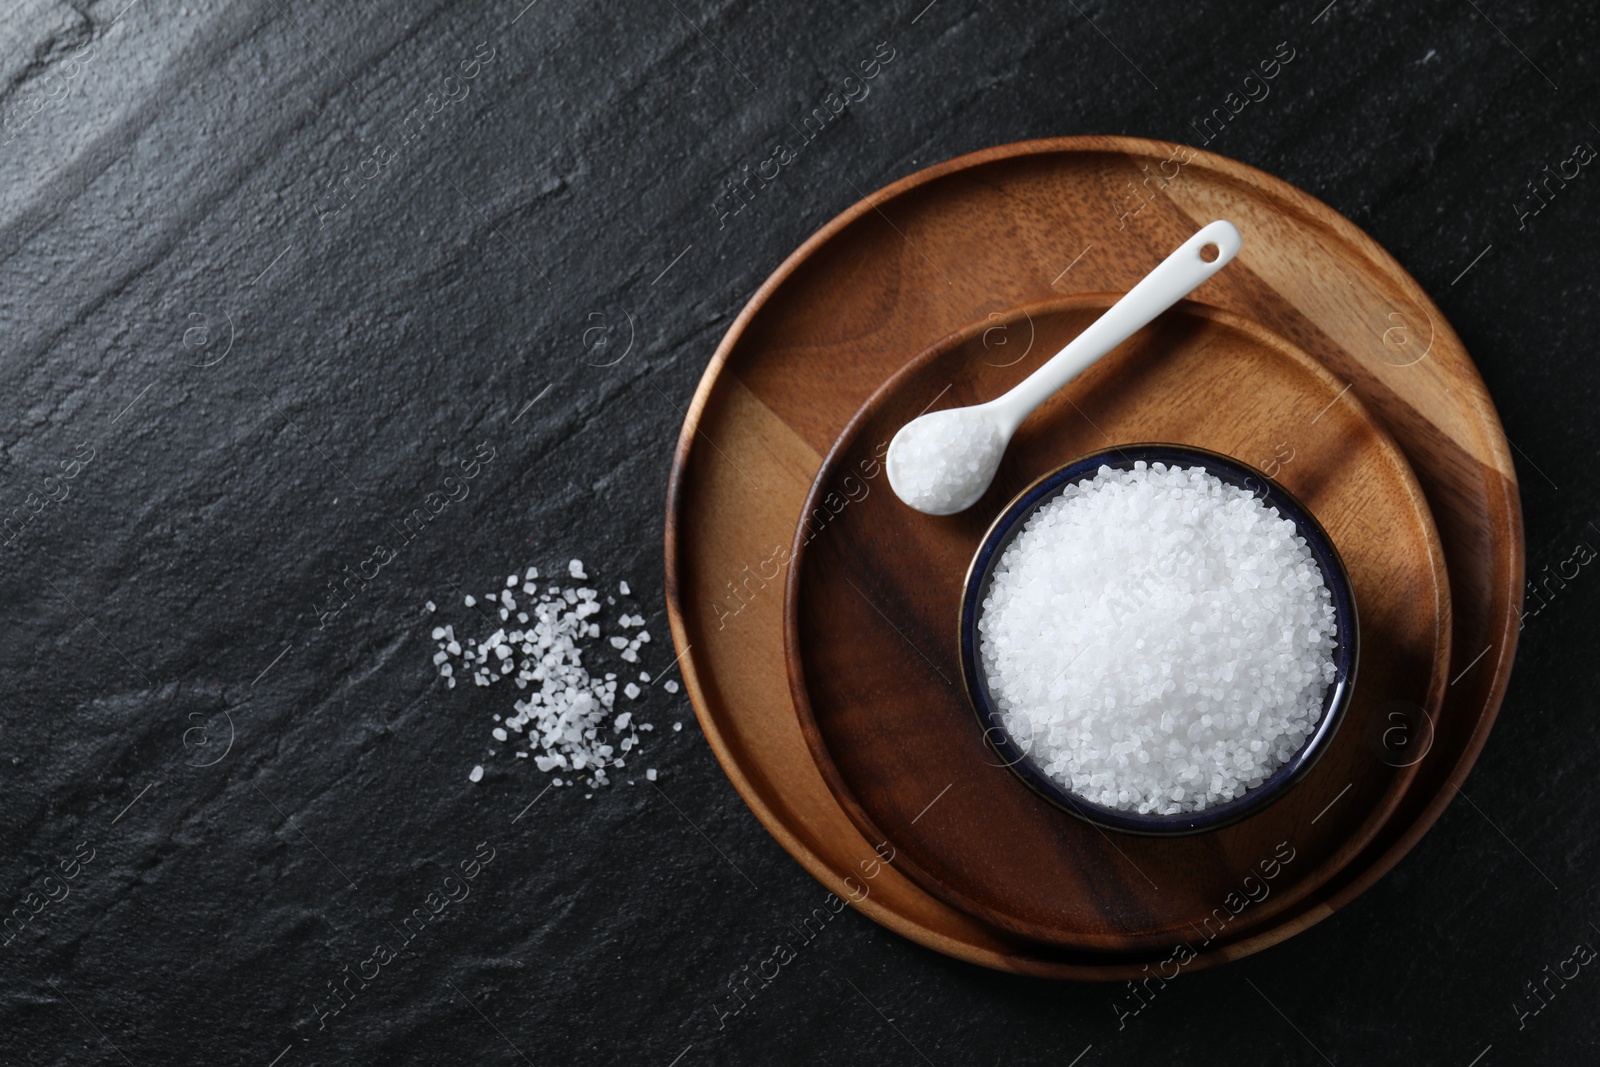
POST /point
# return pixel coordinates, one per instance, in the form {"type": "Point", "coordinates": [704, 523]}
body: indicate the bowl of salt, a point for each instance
{"type": "Point", "coordinates": [1158, 639]}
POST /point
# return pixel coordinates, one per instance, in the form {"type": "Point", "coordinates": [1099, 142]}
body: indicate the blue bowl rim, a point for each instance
{"type": "Point", "coordinates": [1232, 471]}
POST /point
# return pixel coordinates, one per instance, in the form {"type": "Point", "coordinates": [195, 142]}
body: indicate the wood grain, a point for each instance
{"type": "Point", "coordinates": [901, 269]}
{"type": "Point", "coordinates": [874, 592]}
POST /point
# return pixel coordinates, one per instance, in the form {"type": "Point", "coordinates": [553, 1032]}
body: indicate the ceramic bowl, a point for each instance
{"type": "Point", "coordinates": [1232, 472]}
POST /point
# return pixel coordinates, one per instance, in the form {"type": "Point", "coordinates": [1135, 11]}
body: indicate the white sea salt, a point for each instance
{"type": "Point", "coordinates": [562, 711]}
{"type": "Point", "coordinates": [941, 462]}
{"type": "Point", "coordinates": [1157, 640]}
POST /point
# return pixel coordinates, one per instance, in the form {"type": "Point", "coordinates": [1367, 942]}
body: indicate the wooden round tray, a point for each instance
{"type": "Point", "coordinates": [874, 591]}
{"type": "Point", "coordinates": [1000, 229]}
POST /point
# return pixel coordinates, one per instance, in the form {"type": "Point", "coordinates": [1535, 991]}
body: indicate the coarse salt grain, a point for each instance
{"type": "Point", "coordinates": [1157, 640]}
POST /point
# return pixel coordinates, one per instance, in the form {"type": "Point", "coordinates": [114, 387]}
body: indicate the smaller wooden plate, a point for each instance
{"type": "Point", "coordinates": [874, 591]}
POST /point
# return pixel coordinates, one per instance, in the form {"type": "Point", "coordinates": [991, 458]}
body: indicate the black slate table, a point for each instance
{"type": "Point", "coordinates": [271, 270]}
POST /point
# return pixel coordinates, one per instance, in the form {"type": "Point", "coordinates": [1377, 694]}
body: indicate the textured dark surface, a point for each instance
{"type": "Point", "coordinates": [278, 305]}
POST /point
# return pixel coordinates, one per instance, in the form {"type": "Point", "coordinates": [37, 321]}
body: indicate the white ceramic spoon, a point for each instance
{"type": "Point", "coordinates": [941, 463]}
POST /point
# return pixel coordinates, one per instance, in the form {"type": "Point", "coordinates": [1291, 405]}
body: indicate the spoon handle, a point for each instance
{"type": "Point", "coordinates": [1177, 276]}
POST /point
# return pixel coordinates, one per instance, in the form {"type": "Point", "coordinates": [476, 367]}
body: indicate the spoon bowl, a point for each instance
{"type": "Point", "coordinates": [942, 462]}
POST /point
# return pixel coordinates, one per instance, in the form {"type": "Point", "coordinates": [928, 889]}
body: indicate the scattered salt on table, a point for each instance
{"type": "Point", "coordinates": [562, 719]}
